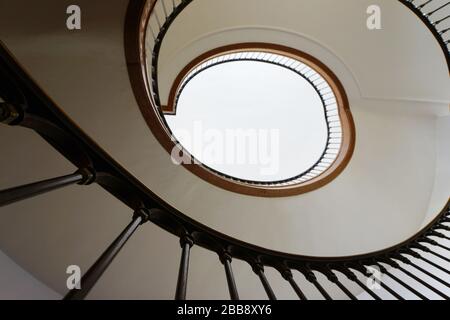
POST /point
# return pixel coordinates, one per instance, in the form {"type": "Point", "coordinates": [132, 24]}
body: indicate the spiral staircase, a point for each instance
{"type": "Point", "coordinates": [170, 204]}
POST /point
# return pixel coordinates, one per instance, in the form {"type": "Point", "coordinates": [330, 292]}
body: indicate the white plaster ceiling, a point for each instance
{"type": "Point", "coordinates": [373, 64]}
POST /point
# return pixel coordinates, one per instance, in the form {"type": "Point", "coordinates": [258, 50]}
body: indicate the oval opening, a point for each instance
{"type": "Point", "coordinates": [257, 117]}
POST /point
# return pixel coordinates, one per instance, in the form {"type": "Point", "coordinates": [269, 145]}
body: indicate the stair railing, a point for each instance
{"type": "Point", "coordinates": [26, 104]}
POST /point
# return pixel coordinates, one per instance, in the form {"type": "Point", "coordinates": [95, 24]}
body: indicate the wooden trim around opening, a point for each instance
{"type": "Point", "coordinates": [135, 28]}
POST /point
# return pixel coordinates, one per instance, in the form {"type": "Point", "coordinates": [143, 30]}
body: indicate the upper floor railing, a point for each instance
{"type": "Point", "coordinates": [157, 18]}
{"type": "Point", "coordinates": [419, 265]}
{"type": "Point", "coordinates": [162, 13]}
{"type": "Point", "coordinates": [436, 16]}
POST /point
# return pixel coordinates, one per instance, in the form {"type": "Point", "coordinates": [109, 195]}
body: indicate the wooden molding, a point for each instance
{"type": "Point", "coordinates": [135, 29]}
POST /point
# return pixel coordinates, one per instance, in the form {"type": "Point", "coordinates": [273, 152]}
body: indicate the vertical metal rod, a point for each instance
{"type": "Point", "coordinates": [438, 235]}
{"type": "Point", "coordinates": [91, 277]}
{"type": "Point", "coordinates": [431, 263]}
{"type": "Point", "coordinates": [443, 247]}
{"type": "Point", "coordinates": [433, 242]}
{"type": "Point", "coordinates": [429, 274]}
{"type": "Point", "coordinates": [225, 258]}
{"type": "Point", "coordinates": [345, 290]}
{"type": "Point", "coordinates": [440, 256]}
{"type": "Point", "coordinates": [287, 275]}
{"type": "Point", "coordinates": [332, 277]}
{"type": "Point", "coordinates": [186, 244]}
{"type": "Point", "coordinates": [311, 277]}
{"type": "Point", "coordinates": [321, 289]}
{"type": "Point", "coordinates": [391, 291]}
{"type": "Point", "coordinates": [367, 274]}
{"type": "Point", "coordinates": [15, 194]}
{"type": "Point", "coordinates": [297, 289]}
{"type": "Point", "coordinates": [164, 8]}
{"type": "Point", "coordinates": [352, 276]}
{"type": "Point", "coordinates": [369, 291]}
{"type": "Point", "coordinates": [425, 284]}
{"type": "Point", "coordinates": [259, 270]}
{"type": "Point", "coordinates": [405, 285]}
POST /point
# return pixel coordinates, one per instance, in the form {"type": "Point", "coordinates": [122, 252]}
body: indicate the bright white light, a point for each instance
{"type": "Point", "coordinates": [253, 95]}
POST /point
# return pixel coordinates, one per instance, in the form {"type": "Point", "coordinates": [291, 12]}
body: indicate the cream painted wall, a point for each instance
{"type": "Point", "coordinates": [17, 283]}
{"type": "Point", "coordinates": [441, 188]}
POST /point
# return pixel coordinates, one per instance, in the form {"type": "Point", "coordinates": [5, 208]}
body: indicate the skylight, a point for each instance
{"type": "Point", "coordinates": [257, 117]}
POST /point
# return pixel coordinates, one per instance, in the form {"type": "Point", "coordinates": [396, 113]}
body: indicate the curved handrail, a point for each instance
{"type": "Point", "coordinates": [427, 12]}
{"type": "Point", "coordinates": [328, 100]}
{"type": "Point", "coordinates": [27, 104]}
{"type": "Point", "coordinates": [157, 19]}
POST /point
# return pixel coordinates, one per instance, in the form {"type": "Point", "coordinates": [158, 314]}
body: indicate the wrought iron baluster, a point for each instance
{"type": "Point", "coordinates": [186, 243]}
{"type": "Point", "coordinates": [9, 196]}
{"type": "Point", "coordinates": [94, 273]}
{"type": "Point", "coordinates": [259, 270]}
{"type": "Point", "coordinates": [226, 259]}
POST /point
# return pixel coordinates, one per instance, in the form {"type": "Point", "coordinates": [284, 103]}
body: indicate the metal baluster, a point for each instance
{"type": "Point", "coordinates": [15, 194]}
{"type": "Point", "coordinates": [366, 272]}
{"type": "Point", "coordinates": [186, 243]}
{"type": "Point", "coordinates": [435, 265]}
{"type": "Point", "coordinates": [424, 4]}
{"type": "Point", "coordinates": [429, 14]}
{"type": "Point", "coordinates": [352, 276]}
{"type": "Point", "coordinates": [417, 279]}
{"type": "Point", "coordinates": [311, 277]}
{"type": "Point", "coordinates": [438, 235]}
{"type": "Point", "coordinates": [429, 274]}
{"type": "Point", "coordinates": [164, 8]}
{"type": "Point", "coordinates": [332, 277]}
{"type": "Point", "coordinates": [401, 282]}
{"type": "Point", "coordinates": [259, 270]}
{"type": "Point", "coordinates": [440, 256]}
{"type": "Point", "coordinates": [428, 250]}
{"type": "Point", "coordinates": [287, 275]}
{"type": "Point", "coordinates": [419, 256]}
{"type": "Point", "coordinates": [91, 277]}
{"type": "Point", "coordinates": [225, 258]}
{"type": "Point", "coordinates": [434, 243]}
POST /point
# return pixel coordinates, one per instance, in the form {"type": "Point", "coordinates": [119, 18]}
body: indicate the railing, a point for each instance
{"type": "Point", "coordinates": [25, 104]}
{"type": "Point", "coordinates": [322, 88]}
{"type": "Point", "coordinates": [435, 14]}
{"type": "Point", "coordinates": [161, 15]}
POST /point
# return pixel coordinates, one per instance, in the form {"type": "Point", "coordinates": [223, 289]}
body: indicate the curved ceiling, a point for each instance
{"type": "Point", "coordinates": [377, 61]}
{"type": "Point", "coordinates": [379, 200]}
